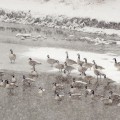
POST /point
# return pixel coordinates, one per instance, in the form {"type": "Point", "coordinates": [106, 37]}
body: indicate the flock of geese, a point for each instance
{"type": "Point", "coordinates": [65, 69]}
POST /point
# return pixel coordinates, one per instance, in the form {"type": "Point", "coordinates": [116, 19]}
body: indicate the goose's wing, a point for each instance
{"type": "Point", "coordinates": [69, 68]}
{"type": "Point", "coordinates": [30, 79]}
{"type": "Point", "coordinates": [70, 62]}
{"type": "Point", "coordinates": [118, 64]}
{"type": "Point", "coordinates": [35, 62]}
{"type": "Point", "coordinates": [51, 61]}
{"type": "Point", "coordinates": [14, 55]}
{"type": "Point", "coordinates": [59, 66]}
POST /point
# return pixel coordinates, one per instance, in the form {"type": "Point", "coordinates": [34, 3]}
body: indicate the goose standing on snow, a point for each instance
{"type": "Point", "coordinates": [98, 67]}
{"type": "Point", "coordinates": [88, 78]}
{"type": "Point", "coordinates": [59, 66]}
{"type": "Point", "coordinates": [69, 61]}
{"type": "Point", "coordinates": [78, 60]}
{"type": "Point", "coordinates": [68, 68]}
{"type": "Point", "coordinates": [87, 65]}
{"type": "Point", "coordinates": [82, 69]}
{"type": "Point", "coordinates": [51, 61]}
{"type": "Point", "coordinates": [12, 56]}
{"type": "Point", "coordinates": [116, 64]}
{"type": "Point", "coordinates": [97, 72]}
{"type": "Point", "coordinates": [33, 63]}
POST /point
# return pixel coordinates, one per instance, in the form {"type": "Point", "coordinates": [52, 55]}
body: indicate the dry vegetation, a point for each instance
{"type": "Point", "coordinates": [55, 22]}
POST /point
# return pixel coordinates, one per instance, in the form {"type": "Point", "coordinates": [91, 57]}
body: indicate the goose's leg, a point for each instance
{"type": "Point", "coordinates": [97, 78]}
{"type": "Point", "coordinates": [88, 81]}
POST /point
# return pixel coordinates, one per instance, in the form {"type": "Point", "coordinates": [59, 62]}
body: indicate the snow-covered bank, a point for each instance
{"type": "Point", "coordinates": [106, 60]}
{"type": "Point", "coordinates": [107, 10]}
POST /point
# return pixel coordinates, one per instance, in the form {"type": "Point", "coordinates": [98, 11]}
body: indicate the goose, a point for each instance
{"type": "Point", "coordinates": [51, 61]}
{"type": "Point", "coordinates": [108, 79]}
{"type": "Point", "coordinates": [77, 83]}
{"type": "Point", "coordinates": [57, 86]}
{"type": "Point", "coordinates": [107, 101]}
{"type": "Point", "coordinates": [94, 97]}
{"type": "Point", "coordinates": [87, 65]}
{"type": "Point", "coordinates": [10, 85]}
{"type": "Point", "coordinates": [87, 91]}
{"type": "Point", "coordinates": [27, 80]}
{"type": "Point", "coordinates": [92, 94]}
{"type": "Point", "coordinates": [82, 69]}
{"type": "Point", "coordinates": [59, 66]}
{"type": "Point", "coordinates": [59, 97]}
{"type": "Point", "coordinates": [69, 61]}
{"type": "Point", "coordinates": [114, 96]}
{"type": "Point", "coordinates": [12, 56]}
{"type": "Point", "coordinates": [13, 80]}
{"type": "Point", "coordinates": [88, 78]}
{"type": "Point", "coordinates": [33, 63]}
{"type": "Point", "coordinates": [74, 95]}
{"type": "Point", "coordinates": [68, 68]}
{"type": "Point", "coordinates": [34, 73]}
{"type": "Point", "coordinates": [64, 74]}
{"type": "Point", "coordinates": [97, 72]}
{"type": "Point", "coordinates": [98, 67]}
{"type": "Point", "coordinates": [72, 89]}
{"type": "Point", "coordinates": [116, 64]}
{"type": "Point", "coordinates": [40, 91]}
{"type": "Point", "coordinates": [2, 83]}
{"type": "Point", "coordinates": [78, 60]}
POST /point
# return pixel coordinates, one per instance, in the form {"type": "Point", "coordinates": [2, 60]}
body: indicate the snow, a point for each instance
{"type": "Point", "coordinates": [100, 30]}
{"type": "Point", "coordinates": [108, 11]}
{"type": "Point", "coordinates": [105, 60]}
